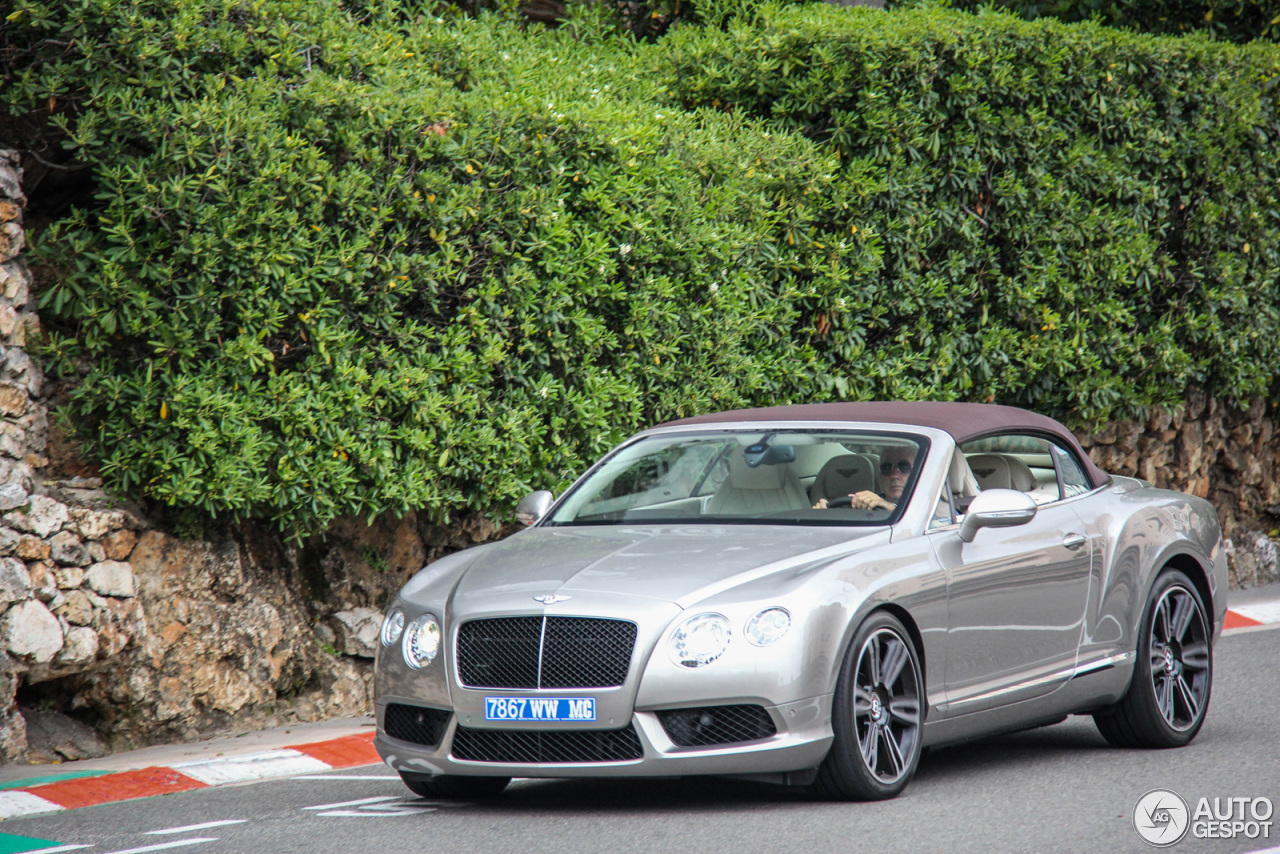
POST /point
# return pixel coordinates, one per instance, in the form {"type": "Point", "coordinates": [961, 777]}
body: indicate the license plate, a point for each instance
{"type": "Point", "coordinates": [539, 709]}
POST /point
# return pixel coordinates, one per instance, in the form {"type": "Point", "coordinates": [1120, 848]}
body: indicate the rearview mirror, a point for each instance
{"type": "Point", "coordinates": [534, 506]}
{"type": "Point", "coordinates": [997, 508]}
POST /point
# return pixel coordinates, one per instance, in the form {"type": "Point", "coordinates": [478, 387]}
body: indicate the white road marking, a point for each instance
{"type": "Point", "coordinates": [14, 804]}
{"type": "Point", "coordinates": [348, 777]}
{"type": "Point", "coordinates": [1263, 851]}
{"type": "Point", "coordinates": [177, 843]}
{"type": "Point", "coordinates": [378, 811]}
{"type": "Point", "coordinates": [255, 766]}
{"type": "Point", "coordinates": [204, 826]}
{"type": "Point", "coordinates": [57, 848]}
{"type": "Point", "coordinates": [379, 800]}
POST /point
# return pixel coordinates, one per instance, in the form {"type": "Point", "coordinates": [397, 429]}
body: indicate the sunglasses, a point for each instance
{"type": "Point", "coordinates": [902, 466]}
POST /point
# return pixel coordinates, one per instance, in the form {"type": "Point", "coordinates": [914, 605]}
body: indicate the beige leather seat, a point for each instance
{"type": "Point", "coordinates": [759, 489]}
{"type": "Point", "coordinates": [997, 471]}
{"type": "Point", "coordinates": [841, 476]}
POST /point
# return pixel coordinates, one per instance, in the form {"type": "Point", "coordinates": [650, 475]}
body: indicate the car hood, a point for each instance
{"type": "Point", "coordinates": [680, 564]}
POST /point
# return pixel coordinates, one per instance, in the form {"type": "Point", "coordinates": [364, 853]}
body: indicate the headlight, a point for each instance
{"type": "Point", "coordinates": [700, 640]}
{"type": "Point", "coordinates": [392, 626]}
{"type": "Point", "coordinates": [768, 626]}
{"type": "Point", "coordinates": [421, 641]}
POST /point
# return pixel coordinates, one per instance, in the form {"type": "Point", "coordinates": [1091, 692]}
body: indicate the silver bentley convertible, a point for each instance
{"type": "Point", "coordinates": [807, 595]}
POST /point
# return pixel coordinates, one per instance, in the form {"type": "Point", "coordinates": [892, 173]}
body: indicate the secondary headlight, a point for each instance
{"type": "Point", "coordinates": [768, 626]}
{"type": "Point", "coordinates": [392, 626]}
{"type": "Point", "coordinates": [700, 640]}
{"type": "Point", "coordinates": [421, 641]}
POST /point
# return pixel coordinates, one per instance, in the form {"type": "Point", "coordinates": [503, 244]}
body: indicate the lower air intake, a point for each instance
{"type": "Point", "coordinates": [703, 727]}
{"type": "Point", "coordinates": [546, 746]}
{"type": "Point", "coordinates": [415, 723]}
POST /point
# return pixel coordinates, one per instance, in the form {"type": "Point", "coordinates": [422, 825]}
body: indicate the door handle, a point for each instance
{"type": "Point", "coordinates": [1074, 541]}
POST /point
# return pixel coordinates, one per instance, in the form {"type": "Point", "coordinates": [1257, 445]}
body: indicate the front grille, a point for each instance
{"type": "Point", "coordinates": [546, 746]}
{"type": "Point", "coordinates": [716, 725]}
{"type": "Point", "coordinates": [545, 652]}
{"type": "Point", "coordinates": [416, 724]}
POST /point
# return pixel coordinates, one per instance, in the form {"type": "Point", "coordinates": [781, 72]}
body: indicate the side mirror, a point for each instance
{"type": "Point", "coordinates": [997, 508]}
{"type": "Point", "coordinates": [534, 506]}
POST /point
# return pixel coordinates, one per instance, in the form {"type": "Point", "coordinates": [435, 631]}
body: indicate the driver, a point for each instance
{"type": "Point", "coordinates": [895, 467]}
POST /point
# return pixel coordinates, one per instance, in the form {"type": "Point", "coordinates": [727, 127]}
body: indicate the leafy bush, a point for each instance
{"type": "Point", "coordinates": [1236, 20]}
{"type": "Point", "coordinates": [356, 260]}
{"type": "Point", "coordinates": [1073, 218]}
{"type": "Point", "coordinates": [360, 288]}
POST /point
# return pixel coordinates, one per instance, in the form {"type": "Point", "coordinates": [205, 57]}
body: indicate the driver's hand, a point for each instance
{"type": "Point", "coordinates": [821, 505]}
{"type": "Point", "coordinates": [868, 500]}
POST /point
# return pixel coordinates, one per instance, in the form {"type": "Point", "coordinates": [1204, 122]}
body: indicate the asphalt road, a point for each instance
{"type": "Point", "coordinates": [1059, 788]}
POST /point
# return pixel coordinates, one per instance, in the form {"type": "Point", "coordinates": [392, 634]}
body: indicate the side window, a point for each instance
{"type": "Point", "coordinates": [1024, 463]}
{"type": "Point", "coordinates": [1070, 473]}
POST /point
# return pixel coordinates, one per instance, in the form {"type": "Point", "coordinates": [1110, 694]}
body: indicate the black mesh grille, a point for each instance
{"type": "Point", "coordinates": [717, 725]}
{"type": "Point", "coordinates": [500, 653]}
{"type": "Point", "coordinates": [576, 652]}
{"type": "Point", "coordinates": [416, 724]}
{"type": "Point", "coordinates": [547, 746]}
{"type": "Point", "coordinates": [583, 653]}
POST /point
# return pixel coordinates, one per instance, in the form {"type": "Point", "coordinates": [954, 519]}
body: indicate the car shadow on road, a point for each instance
{"type": "Point", "coordinates": [996, 754]}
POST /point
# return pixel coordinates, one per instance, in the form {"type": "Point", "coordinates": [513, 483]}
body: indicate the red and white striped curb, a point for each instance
{"type": "Point", "coordinates": [1253, 614]}
{"type": "Point", "coordinates": [346, 752]}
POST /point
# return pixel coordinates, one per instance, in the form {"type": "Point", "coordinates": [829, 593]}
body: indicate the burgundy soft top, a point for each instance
{"type": "Point", "coordinates": [964, 421]}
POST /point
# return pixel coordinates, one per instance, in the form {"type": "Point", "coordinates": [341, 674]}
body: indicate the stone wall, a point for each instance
{"type": "Point", "coordinates": [1221, 450]}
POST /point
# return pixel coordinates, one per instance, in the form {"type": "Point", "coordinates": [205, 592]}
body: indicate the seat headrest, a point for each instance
{"type": "Point", "coordinates": [997, 471]}
{"type": "Point", "coordinates": [843, 475]}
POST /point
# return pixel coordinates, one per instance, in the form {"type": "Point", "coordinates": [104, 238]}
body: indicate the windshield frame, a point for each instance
{"type": "Point", "coordinates": [922, 441]}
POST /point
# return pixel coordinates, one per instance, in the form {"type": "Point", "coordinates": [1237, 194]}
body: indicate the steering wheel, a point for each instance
{"type": "Point", "coordinates": [842, 501]}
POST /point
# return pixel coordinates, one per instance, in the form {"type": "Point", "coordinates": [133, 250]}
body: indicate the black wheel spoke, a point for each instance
{"type": "Point", "coordinates": [1195, 656]}
{"type": "Point", "coordinates": [861, 701]}
{"type": "Point", "coordinates": [1164, 697]}
{"type": "Point", "coordinates": [894, 751]}
{"type": "Point", "coordinates": [905, 710]}
{"type": "Point", "coordinates": [895, 658]}
{"type": "Point", "coordinates": [1162, 622]}
{"type": "Point", "coordinates": [1183, 610]}
{"type": "Point", "coordinates": [1189, 701]}
{"type": "Point", "coordinates": [871, 747]}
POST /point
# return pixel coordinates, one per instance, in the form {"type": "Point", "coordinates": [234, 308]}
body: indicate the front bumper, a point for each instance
{"type": "Point", "coordinates": [802, 739]}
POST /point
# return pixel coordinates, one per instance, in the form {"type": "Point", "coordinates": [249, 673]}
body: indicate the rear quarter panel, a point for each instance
{"type": "Point", "coordinates": [1139, 530]}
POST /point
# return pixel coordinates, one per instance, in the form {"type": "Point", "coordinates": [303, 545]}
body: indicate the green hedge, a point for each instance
{"type": "Point", "coordinates": [1073, 218]}
{"type": "Point", "coordinates": [364, 261]}
{"type": "Point", "coordinates": [1236, 20]}
{"type": "Point", "coordinates": [438, 278]}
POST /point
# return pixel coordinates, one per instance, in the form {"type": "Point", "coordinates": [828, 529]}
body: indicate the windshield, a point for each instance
{"type": "Point", "coordinates": [800, 477]}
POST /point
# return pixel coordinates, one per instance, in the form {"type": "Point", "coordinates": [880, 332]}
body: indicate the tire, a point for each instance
{"type": "Point", "coordinates": [877, 715]}
{"type": "Point", "coordinates": [1173, 674]}
{"type": "Point", "coordinates": [453, 788]}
